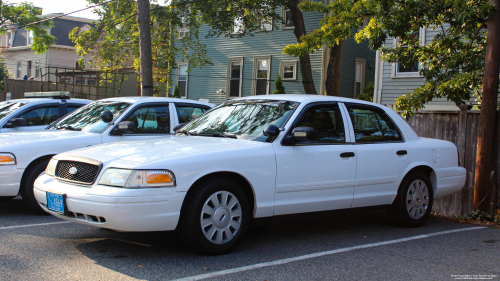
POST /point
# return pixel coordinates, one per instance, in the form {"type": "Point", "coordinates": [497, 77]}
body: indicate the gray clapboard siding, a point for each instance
{"type": "Point", "coordinates": [205, 82]}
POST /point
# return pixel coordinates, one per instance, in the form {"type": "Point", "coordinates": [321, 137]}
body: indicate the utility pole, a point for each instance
{"type": "Point", "coordinates": [145, 48]}
{"type": "Point", "coordinates": [486, 134]}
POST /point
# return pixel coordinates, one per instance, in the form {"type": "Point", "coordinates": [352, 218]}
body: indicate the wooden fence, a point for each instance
{"type": "Point", "coordinates": [461, 128]}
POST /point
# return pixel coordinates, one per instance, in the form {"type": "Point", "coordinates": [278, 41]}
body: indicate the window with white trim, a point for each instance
{"type": "Point", "coordinates": [9, 39]}
{"type": "Point", "coordinates": [19, 69]}
{"type": "Point", "coordinates": [286, 15]}
{"type": "Point", "coordinates": [288, 70]}
{"type": "Point", "coordinates": [261, 75]}
{"type": "Point", "coordinates": [184, 30]}
{"type": "Point", "coordinates": [38, 69]}
{"type": "Point", "coordinates": [234, 77]}
{"type": "Point", "coordinates": [30, 37]}
{"type": "Point", "coordinates": [413, 69]}
{"type": "Point", "coordinates": [359, 76]}
{"type": "Point", "coordinates": [266, 24]}
{"type": "Point", "coordinates": [28, 71]}
{"type": "Point", "coordinates": [238, 25]}
{"type": "Point", "coordinates": [182, 79]}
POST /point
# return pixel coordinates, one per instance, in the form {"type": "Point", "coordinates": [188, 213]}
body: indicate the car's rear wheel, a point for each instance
{"type": "Point", "coordinates": [27, 186]}
{"type": "Point", "coordinates": [215, 216]}
{"type": "Point", "coordinates": [413, 204]}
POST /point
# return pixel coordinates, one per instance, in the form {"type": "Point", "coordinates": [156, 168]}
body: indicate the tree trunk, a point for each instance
{"type": "Point", "coordinates": [486, 135]}
{"type": "Point", "coordinates": [145, 48]}
{"type": "Point", "coordinates": [305, 61]}
{"type": "Point", "coordinates": [332, 82]}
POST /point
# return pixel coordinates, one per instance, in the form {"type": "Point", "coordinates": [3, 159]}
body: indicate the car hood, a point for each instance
{"type": "Point", "coordinates": [147, 150]}
{"type": "Point", "coordinates": [16, 139]}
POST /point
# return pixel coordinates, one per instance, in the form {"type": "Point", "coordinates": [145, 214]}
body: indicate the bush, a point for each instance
{"type": "Point", "coordinates": [177, 92]}
{"type": "Point", "coordinates": [278, 85]}
{"type": "Point", "coordinates": [367, 92]}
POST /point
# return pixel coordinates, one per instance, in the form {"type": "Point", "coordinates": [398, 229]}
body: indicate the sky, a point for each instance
{"type": "Point", "coordinates": [61, 6]}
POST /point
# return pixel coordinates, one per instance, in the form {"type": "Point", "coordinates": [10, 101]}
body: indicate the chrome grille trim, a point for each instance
{"type": "Point", "coordinates": [86, 175]}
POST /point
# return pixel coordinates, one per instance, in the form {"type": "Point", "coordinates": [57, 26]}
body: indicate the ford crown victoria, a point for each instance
{"type": "Point", "coordinates": [36, 111]}
{"type": "Point", "coordinates": [251, 158]}
{"type": "Point", "coordinates": [24, 156]}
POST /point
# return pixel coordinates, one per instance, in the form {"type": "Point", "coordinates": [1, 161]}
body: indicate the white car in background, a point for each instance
{"type": "Point", "coordinates": [250, 158]}
{"type": "Point", "coordinates": [24, 156]}
{"type": "Point", "coordinates": [36, 111]}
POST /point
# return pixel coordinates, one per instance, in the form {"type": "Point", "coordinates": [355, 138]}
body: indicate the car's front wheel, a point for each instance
{"type": "Point", "coordinates": [215, 216]}
{"type": "Point", "coordinates": [27, 187]}
{"type": "Point", "coordinates": [413, 204]}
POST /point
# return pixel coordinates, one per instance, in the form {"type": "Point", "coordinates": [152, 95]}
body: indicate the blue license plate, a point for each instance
{"type": "Point", "coordinates": [56, 202]}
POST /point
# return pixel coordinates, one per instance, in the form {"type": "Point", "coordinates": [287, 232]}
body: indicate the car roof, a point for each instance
{"type": "Point", "coordinates": [156, 99]}
{"type": "Point", "coordinates": [303, 97]}
{"type": "Point", "coordinates": [43, 100]}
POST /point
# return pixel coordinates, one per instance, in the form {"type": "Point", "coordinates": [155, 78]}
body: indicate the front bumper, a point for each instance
{"type": "Point", "coordinates": [10, 180]}
{"type": "Point", "coordinates": [449, 181]}
{"type": "Point", "coordinates": [147, 209]}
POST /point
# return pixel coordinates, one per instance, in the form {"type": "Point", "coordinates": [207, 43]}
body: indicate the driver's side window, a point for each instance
{"type": "Point", "coordinates": [151, 119]}
{"type": "Point", "coordinates": [41, 116]}
{"type": "Point", "coordinates": [326, 120]}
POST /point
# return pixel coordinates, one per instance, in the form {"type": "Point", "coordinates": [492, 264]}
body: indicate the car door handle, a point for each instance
{"type": "Point", "coordinates": [347, 154]}
{"type": "Point", "coordinates": [402, 152]}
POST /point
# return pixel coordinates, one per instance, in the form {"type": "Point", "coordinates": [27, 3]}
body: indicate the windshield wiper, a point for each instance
{"type": "Point", "coordinates": [224, 135]}
{"type": "Point", "coordinates": [187, 132]}
{"type": "Point", "coordinates": [69, 127]}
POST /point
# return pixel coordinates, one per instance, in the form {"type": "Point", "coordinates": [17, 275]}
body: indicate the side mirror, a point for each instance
{"type": "Point", "coordinates": [107, 116]}
{"type": "Point", "coordinates": [178, 127]}
{"type": "Point", "coordinates": [303, 134]}
{"type": "Point", "coordinates": [127, 127]}
{"type": "Point", "coordinates": [271, 131]}
{"type": "Point", "coordinates": [16, 122]}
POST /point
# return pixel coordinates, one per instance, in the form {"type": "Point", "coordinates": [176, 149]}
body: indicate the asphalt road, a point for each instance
{"type": "Point", "coordinates": [340, 246]}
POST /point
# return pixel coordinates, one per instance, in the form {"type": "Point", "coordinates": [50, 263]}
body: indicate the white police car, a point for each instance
{"type": "Point", "coordinates": [36, 111]}
{"type": "Point", "coordinates": [24, 156]}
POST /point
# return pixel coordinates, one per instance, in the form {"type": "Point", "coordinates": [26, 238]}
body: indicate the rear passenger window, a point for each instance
{"type": "Point", "coordinates": [41, 116]}
{"type": "Point", "coordinates": [188, 113]}
{"type": "Point", "coordinates": [326, 120]}
{"type": "Point", "coordinates": [372, 124]}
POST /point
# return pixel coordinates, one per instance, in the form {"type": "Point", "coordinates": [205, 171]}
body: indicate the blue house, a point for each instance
{"type": "Point", "coordinates": [249, 65]}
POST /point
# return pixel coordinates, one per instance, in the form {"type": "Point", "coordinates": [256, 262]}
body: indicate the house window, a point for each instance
{"type": "Point", "coordinates": [288, 70]}
{"type": "Point", "coordinates": [413, 69]}
{"type": "Point", "coordinates": [262, 69]}
{"type": "Point", "coordinates": [78, 65]}
{"type": "Point", "coordinates": [9, 39]}
{"type": "Point", "coordinates": [359, 76]}
{"type": "Point", "coordinates": [265, 23]}
{"type": "Point", "coordinates": [184, 29]}
{"type": "Point", "coordinates": [238, 25]}
{"type": "Point", "coordinates": [19, 69]}
{"type": "Point", "coordinates": [287, 18]}
{"type": "Point", "coordinates": [28, 72]}
{"type": "Point", "coordinates": [234, 76]}
{"type": "Point", "coordinates": [182, 79]}
{"type": "Point", "coordinates": [37, 69]}
{"type": "Point", "coordinates": [30, 37]}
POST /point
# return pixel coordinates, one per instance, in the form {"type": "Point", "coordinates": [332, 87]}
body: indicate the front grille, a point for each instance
{"type": "Point", "coordinates": [85, 173]}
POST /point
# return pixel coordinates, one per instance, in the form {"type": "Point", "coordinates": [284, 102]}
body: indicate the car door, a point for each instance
{"type": "Point", "coordinates": [382, 155]}
{"type": "Point", "coordinates": [317, 175]}
{"type": "Point", "coordinates": [151, 120]}
{"type": "Point", "coordinates": [38, 117]}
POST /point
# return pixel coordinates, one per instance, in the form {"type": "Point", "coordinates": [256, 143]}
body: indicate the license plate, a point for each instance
{"type": "Point", "coordinates": [56, 202]}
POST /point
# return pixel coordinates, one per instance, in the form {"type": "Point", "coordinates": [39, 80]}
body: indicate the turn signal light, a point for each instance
{"type": "Point", "coordinates": [7, 159]}
{"type": "Point", "coordinates": [159, 178]}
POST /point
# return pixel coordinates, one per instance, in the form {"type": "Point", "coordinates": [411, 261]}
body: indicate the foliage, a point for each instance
{"type": "Point", "coordinates": [481, 216]}
{"type": "Point", "coordinates": [278, 84]}
{"type": "Point", "coordinates": [177, 92]}
{"type": "Point", "coordinates": [367, 94]}
{"type": "Point", "coordinates": [453, 61]}
{"type": "Point", "coordinates": [13, 15]}
{"type": "Point", "coordinates": [114, 42]}
{"type": "Point", "coordinates": [3, 74]}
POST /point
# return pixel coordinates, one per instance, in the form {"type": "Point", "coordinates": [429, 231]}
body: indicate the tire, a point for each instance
{"type": "Point", "coordinates": [414, 201]}
{"type": "Point", "coordinates": [210, 225]}
{"type": "Point", "coordinates": [27, 187]}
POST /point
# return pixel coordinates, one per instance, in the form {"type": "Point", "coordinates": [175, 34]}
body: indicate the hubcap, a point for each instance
{"type": "Point", "coordinates": [417, 199]}
{"type": "Point", "coordinates": [221, 217]}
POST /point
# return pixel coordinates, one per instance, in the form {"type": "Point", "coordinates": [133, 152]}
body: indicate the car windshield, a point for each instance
{"type": "Point", "coordinates": [7, 108]}
{"type": "Point", "coordinates": [242, 119]}
{"type": "Point", "coordinates": [88, 118]}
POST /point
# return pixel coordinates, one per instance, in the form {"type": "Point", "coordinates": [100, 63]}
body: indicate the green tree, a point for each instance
{"type": "Point", "coordinates": [3, 74]}
{"type": "Point", "coordinates": [278, 85]}
{"type": "Point", "coordinates": [28, 16]}
{"type": "Point", "coordinates": [177, 92]}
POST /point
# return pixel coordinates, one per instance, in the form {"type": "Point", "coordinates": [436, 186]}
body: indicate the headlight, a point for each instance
{"type": "Point", "coordinates": [7, 159]}
{"type": "Point", "coordinates": [51, 168]}
{"type": "Point", "coordinates": [115, 177]}
{"type": "Point", "coordinates": [137, 178]}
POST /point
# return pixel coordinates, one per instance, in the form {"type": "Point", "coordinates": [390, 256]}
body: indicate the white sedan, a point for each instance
{"type": "Point", "coordinates": [250, 158]}
{"type": "Point", "coordinates": [24, 156]}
